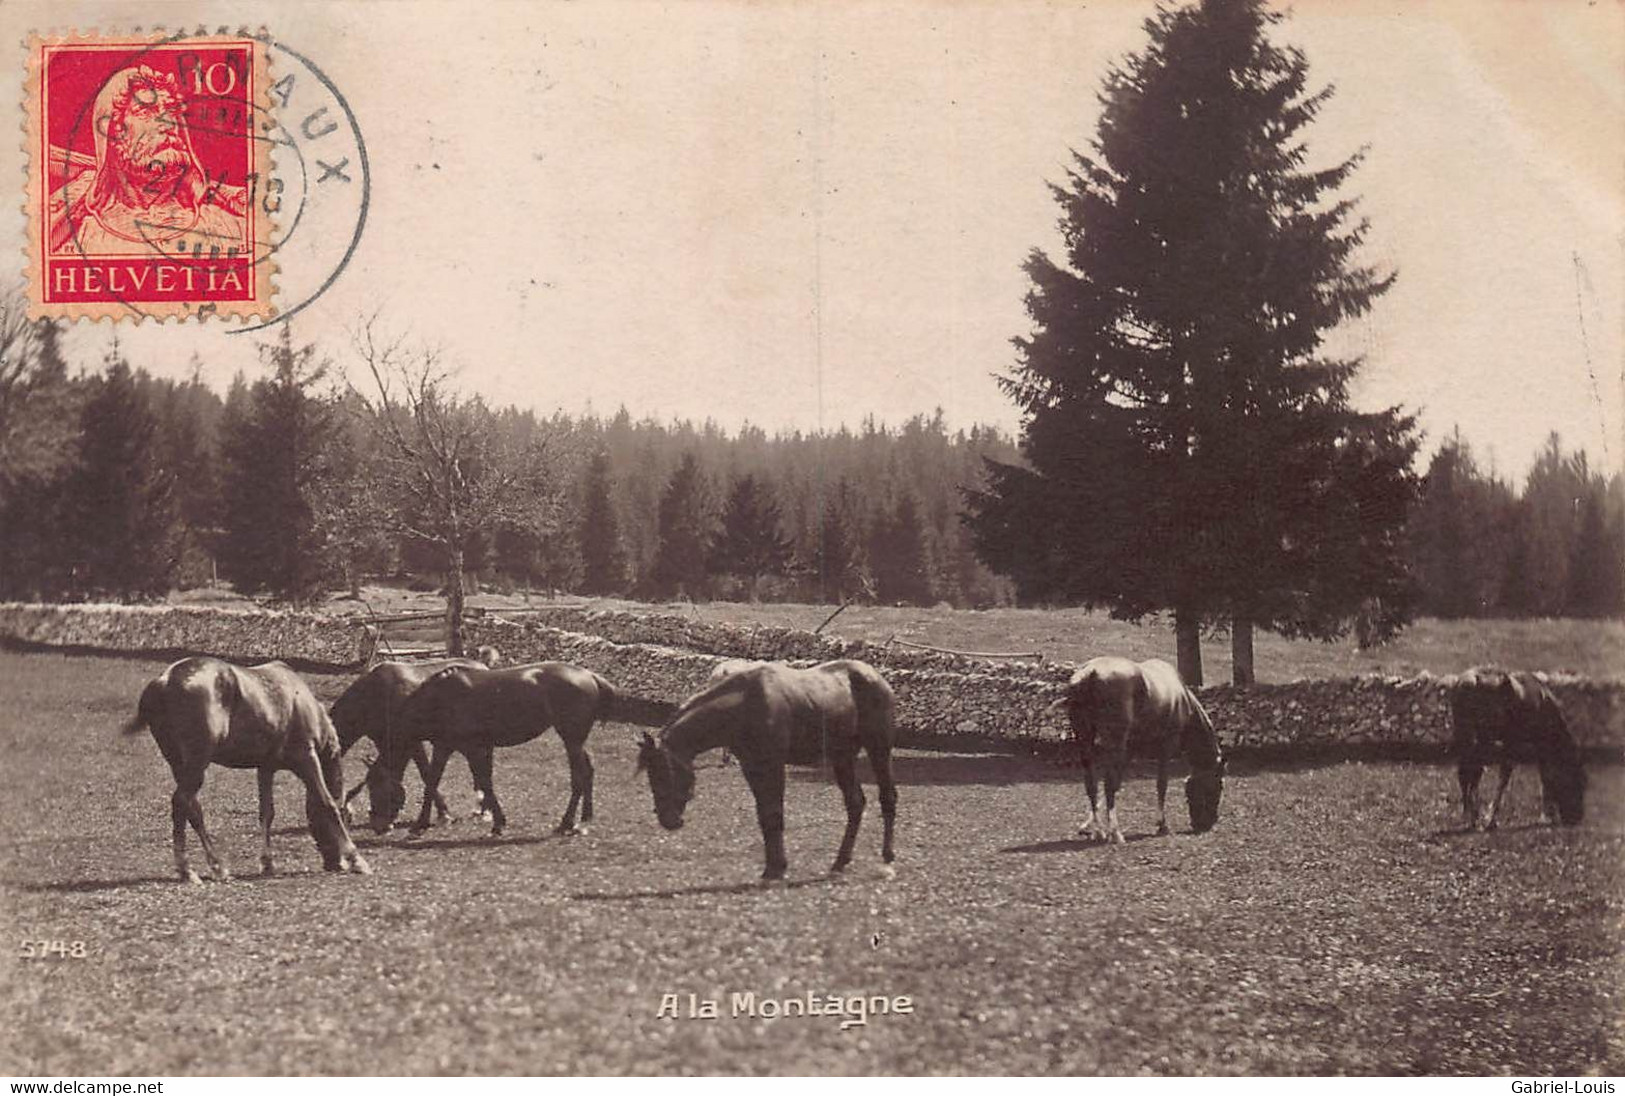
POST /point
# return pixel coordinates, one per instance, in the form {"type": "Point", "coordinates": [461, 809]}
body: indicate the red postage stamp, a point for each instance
{"type": "Point", "coordinates": [149, 166]}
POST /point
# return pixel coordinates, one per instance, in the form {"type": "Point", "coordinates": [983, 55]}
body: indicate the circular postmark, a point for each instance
{"type": "Point", "coordinates": [205, 173]}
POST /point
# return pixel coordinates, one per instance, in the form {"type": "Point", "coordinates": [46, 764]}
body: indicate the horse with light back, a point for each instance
{"type": "Point", "coordinates": [203, 711]}
{"type": "Point", "coordinates": [1115, 703]}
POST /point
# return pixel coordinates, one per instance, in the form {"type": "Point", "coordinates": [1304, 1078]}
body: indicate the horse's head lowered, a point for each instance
{"type": "Point", "coordinates": [1203, 789]}
{"type": "Point", "coordinates": [1562, 775]}
{"type": "Point", "coordinates": [386, 794]}
{"type": "Point", "coordinates": [670, 779]}
{"type": "Point", "coordinates": [426, 710]}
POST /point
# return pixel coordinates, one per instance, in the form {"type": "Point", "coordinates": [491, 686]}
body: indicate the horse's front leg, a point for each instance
{"type": "Point", "coordinates": [580, 787]}
{"type": "Point", "coordinates": [1500, 791]}
{"type": "Point", "coordinates": [481, 760]}
{"type": "Point", "coordinates": [846, 776]}
{"type": "Point", "coordinates": [322, 811]}
{"type": "Point", "coordinates": [420, 758]}
{"type": "Point", "coordinates": [431, 788]}
{"type": "Point", "coordinates": [767, 785]}
{"type": "Point", "coordinates": [267, 777]}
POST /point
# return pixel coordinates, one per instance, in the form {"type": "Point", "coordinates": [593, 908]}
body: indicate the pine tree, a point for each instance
{"type": "Point", "coordinates": [123, 506]}
{"type": "Point", "coordinates": [39, 447]}
{"type": "Point", "coordinates": [684, 525]}
{"type": "Point", "coordinates": [1186, 445]}
{"type": "Point", "coordinates": [750, 544]}
{"type": "Point", "coordinates": [603, 558]}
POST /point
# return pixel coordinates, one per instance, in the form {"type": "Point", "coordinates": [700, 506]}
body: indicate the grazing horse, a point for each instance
{"type": "Point", "coordinates": [371, 708]}
{"type": "Point", "coordinates": [468, 711]}
{"type": "Point", "coordinates": [1115, 701]}
{"type": "Point", "coordinates": [1512, 718]}
{"type": "Point", "coordinates": [202, 710]}
{"type": "Point", "coordinates": [771, 715]}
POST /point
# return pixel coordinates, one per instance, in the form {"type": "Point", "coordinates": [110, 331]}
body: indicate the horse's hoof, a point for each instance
{"type": "Point", "coordinates": [359, 865]}
{"type": "Point", "coordinates": [1162, 829]}
{"type": "Point", "coordinates": [414, 833]}
{"type": "Point", "coordinates": [192, 877]}
{"type": "Point", "coordinates": [570, 831]}
{"type": "Point", "coordinates": [773, 881]}
{"type": "Point", "coordinates": [496, 831]}
{"type": "Point", "coordinates": [267, 868]}
{"type": "Point", "coordinates": [222, 874]}
{"type": "Point", "coordinates": [1117, 838]}
{"type": "Point", "coordinates": [839, 867]}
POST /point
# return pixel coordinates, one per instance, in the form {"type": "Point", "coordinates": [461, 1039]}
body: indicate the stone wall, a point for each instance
{"type": "Point", "coordinates": [656, 661]}
{"type": "Point", "coordinates": [943, 695]}
{"type": "Point", "coordinates": [239, 635]}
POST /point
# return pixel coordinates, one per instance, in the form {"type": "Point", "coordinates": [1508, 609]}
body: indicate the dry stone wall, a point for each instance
{"type": "Point", "coordinates": [663, 659]}
{"type": "Point", "coordinates": [239, 635]}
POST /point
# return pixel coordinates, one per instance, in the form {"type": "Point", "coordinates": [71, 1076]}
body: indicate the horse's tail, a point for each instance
{"type": "Point", "coordinates": [608, 697]}
{"type": "Point", "coordinates": [149, 710]}
{"type": "Point", "coordinates": [874, 699]}
{"type": "Point", "coordinates": [1207, 748]}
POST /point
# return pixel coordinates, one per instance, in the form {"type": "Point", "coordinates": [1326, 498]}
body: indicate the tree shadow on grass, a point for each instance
{"type": "Point", "coordinates": [717, 888]}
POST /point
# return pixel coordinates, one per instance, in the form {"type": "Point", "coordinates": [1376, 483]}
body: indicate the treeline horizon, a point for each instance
{"type": "Point", "coordinates": [116, 483]}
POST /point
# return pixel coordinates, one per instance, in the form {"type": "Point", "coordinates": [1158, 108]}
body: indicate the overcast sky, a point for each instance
{"type": "Point", "coordinates": [802, 214]}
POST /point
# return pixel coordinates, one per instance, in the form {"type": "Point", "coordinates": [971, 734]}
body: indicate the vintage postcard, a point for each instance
{"type": "Point", "coordinates": [812, 537]}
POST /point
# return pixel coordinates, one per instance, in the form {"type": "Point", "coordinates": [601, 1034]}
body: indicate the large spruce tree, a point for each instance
{"type": "Point", "coordinates": [1189, 446]}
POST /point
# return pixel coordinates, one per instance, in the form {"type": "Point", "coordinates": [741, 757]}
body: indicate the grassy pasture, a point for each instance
{"type": "Point", "coordinates": [1335, 921]}
{"type": "Point", "coordinates": [1590, 647]}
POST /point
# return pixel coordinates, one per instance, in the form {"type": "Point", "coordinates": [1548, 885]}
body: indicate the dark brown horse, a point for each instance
{"type": "Point", "coordinates": [1507, 717]}
{"type": "Point", "coordinates": [371, 708]}
{"type": "Point", "coordinates": [1115, 703]}
{"type": "Point", "coordinates": [470, 711]}
{"type": "Point", "coordinates": [202, 711]}
{"type": "Point", "coordinates": [771, 715]}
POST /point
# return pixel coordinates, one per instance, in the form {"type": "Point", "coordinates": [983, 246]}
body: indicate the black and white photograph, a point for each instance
{"type": "Point", "coordinates": [881, 538]}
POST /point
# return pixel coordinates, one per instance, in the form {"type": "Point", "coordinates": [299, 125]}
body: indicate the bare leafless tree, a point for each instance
{"type": "Point", "coordinates": [446, 473]}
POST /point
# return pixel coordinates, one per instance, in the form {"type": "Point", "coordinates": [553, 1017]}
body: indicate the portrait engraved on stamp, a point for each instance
{"type": "Point", "coordinates": [150, 192]}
